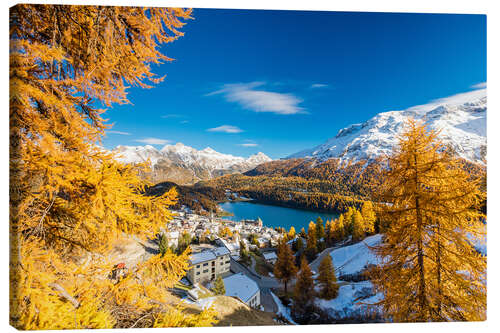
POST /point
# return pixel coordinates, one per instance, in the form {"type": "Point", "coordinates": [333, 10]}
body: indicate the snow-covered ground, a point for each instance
{"type": "Point", "coordinates": [352, 301]}
{"type": "Point", "coordinates": [354, 258]}
{"type": "Point", "coordinates": [203, 303]}
{"type": "Point", "coordinates": [283, 310]}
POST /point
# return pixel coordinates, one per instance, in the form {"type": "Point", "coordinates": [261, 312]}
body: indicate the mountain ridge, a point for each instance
{"type": "Point", "coordinates": [186, 165]}
{"type": "Point", "coordinates": [461, 120]}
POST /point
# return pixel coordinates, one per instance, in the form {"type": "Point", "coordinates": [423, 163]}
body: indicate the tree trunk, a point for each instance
{"type": "Point", "coordinates": [420, 250]}
{"type": "Point", "coordinates": [438, 263]}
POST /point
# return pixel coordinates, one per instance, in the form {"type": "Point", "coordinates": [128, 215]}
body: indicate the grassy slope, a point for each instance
{"type": "Point", "coordinates": [235, 313]}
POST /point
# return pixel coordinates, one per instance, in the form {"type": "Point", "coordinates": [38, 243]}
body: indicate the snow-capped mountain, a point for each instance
{"type": "Point", "coordinates": [186, 165]}
{"type": "Point", "coordinates": [461, 120]}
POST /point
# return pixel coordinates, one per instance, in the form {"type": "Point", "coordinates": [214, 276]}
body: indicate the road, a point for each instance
{"type": "Point", "coordinates": [265, 284]}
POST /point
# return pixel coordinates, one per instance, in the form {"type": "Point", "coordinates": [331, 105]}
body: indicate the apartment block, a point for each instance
{"type": "Point", "coordinates": [209, 264]}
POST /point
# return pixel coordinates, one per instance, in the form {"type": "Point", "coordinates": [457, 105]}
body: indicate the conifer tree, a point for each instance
{"type": "Point", "coordinates": [303, 295]}
{"type": "Point", "coordinates": [299, 244]}
{"type": "Point", "coordinates": [327, 279]}
{"type": "Point", "coordinates": [311, 246]}
{"type": "Point", "coordinates": [285, 269]}
{"type": "Point", "coordinates": [163, 244]}
{"type": "Point", "coordinates": [369, 217]}
{"type": "Point", "coordinates": [329, 236]}
{"type": "Point", "coordinates": [320, 229]}
{"type": "Point", "coordinates": [219, 287]}
{"type": "Point", "coordinates": [303, 233]}
{"type": "Point", "coordinates": [348, 221]}
{"type": "Point", "coordinates": [291, 233]}
{"type": "Point", "coordinates": [320, 235]}
{"type": "Point", "coordinates": [358, 226]}
{"type": "Point", "coordinates": [70, 201]}
{"type": "Point", "coordinates": [430, 270]}
{"type": "Point", "coordinates": [340, 228]}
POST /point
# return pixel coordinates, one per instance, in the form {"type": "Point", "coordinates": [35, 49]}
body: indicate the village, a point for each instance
{"type": "Point", "coordinates": [216, 248]}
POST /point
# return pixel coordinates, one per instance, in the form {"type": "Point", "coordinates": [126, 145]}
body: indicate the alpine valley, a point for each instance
{"type": "Point", "coordinates": [342, 172]}
{"type": "Point", "coordinates": [330, 177]}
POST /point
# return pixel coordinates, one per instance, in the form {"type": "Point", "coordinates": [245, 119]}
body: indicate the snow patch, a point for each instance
{"type": "Point", "coordinates": [353, 300]}
{"type": "Point", "coordinates": [203, 303]}
{"type": "Point", "coordinates": [282, 310]}
{"type": "Point", "coordinates": [354, 258]}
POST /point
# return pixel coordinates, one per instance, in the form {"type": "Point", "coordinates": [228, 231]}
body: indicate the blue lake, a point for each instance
{"type": "Point", "coordinates": [274, 216]}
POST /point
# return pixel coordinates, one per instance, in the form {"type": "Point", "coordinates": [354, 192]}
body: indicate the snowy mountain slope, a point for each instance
{"type": "Point", "coordinates": [461, 120]}
{"type": "Point", "coordinates": [186, 165]}
{"type": "Point", "coordinates": [353, 259]}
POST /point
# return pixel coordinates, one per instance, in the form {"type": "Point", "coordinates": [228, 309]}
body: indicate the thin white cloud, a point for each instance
{"type": "Point", "coordinates": [481, 85]}
{"type": "Point", "coordinates": [153, 141]}
{"type": "Point", "coordinates": [248, 144]}
{"type": "Point", "coordinates": [184, 121]}
{"type": "Point", "coordinates": [319, 85]}
{"type": "Point", "coordinates": [255, 100]}
{"type": "Point", "coordinates": [226, 129]}
{"type": "Point", "coordinates": [119, 132]}
{"type": "Point", "coordinates": [172, 115]}
{"type": "Point", "coordinates": [457, 99]}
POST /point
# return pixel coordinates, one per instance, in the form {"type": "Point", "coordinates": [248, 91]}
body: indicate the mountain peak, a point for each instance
{"type": "Point", "coordinates": [209, 150]}
{"type": "Point", "coordinates": [461, 120]}
{"type": "Point", "coordinates": [187, 160]}
{"type": "Point", "coordinates": [260, 156]}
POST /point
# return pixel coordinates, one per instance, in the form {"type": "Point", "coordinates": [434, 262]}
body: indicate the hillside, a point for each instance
{"type": "Point", "coordinates": [198, 198]}
{"type": "Point", "coordinates": [232, 312]}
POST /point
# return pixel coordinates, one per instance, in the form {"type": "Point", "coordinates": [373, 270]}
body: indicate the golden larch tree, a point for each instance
{"type": "Point", "coordinates": [430, 269]}
{"type": "Point", "coordinates": [369, 217]}
{"type": "Point", "coordinates": [291, 233]}
{"type": "Point", "coordinates": [340, 233]}
{"type": "Point", "coordinates": [312, 240]}
{"type": "Point", "coordinates": [70, 200]}
{"type": "Point", "coordinates": [303, 293]}
{"type": "Point", "coordinates": [358, 226]}
{"type": "Point", "coordinates": [285, 268]}
{"type": "Point", "coordinates": [326, 279]}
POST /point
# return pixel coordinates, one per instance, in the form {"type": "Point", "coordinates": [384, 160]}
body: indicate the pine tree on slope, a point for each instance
{"type": "Point", "coordinates": [219, 287]}
{"type": "Point", "coordinates": [327, 279]}
{"type": "Point", "coordinates": [285, 269]}
{"type": "Point", "coordinates": [303, 295]}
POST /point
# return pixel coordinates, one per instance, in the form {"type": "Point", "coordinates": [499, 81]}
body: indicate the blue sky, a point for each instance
{"type": "Point", "coordinates": [282, 81]}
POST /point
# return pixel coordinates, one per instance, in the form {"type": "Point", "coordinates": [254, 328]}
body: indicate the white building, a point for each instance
{"type": "Point", "coordinates": [270, 257]}
{"type": "Point", "coordinates": [233, 247]}
{"type": "Point", "coordinates": [208, 264]}
{"type": "Point", "coordinates": [242, 287]}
